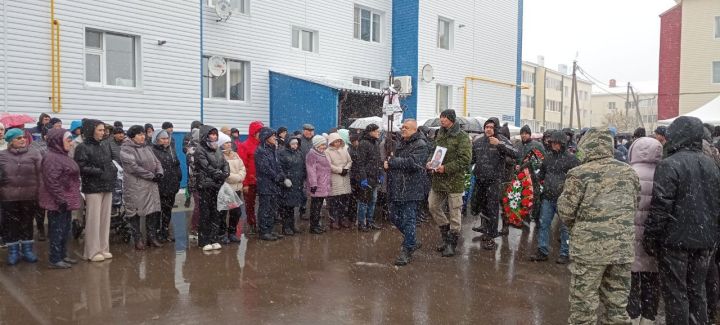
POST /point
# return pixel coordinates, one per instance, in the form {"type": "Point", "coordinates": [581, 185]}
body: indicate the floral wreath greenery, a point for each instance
{"type": "Point", "coordinates": [519, 195]}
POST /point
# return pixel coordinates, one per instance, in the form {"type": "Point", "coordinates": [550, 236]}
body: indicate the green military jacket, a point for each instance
{"type": "Point", "coordinates": [456, 162]}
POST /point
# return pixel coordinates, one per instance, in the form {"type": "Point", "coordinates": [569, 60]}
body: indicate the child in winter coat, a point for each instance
{"type": "Point", "coordinates": [318, 181]}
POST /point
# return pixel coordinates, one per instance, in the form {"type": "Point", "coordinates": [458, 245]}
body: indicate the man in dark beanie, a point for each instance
{"type": "Point", "coordinates": [168, 127]}
{"type": "Point", "coordinates": [448, 181]}
{"type": "Point", "coordinates": [118, 124]}
{"type": "Point", "coordinates": [488, 155]}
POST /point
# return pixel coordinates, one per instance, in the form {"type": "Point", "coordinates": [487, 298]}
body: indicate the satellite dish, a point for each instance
{"type": "Point", "coordinates": [217, 66]}
{"type": "Point", "coordinates": [223, 9]}
{"type": "Point", "coordinates": [428, 73]}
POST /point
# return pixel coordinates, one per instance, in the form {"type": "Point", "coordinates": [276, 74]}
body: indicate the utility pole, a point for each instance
{"type": "Point", "coordinates": [577, 98]}
{"type": "Point", "coordinates": [627, 106]}
{"type": "Point", "coordinates": [637, 107]}
{"type": "Point", "coordinates": [573, 93]}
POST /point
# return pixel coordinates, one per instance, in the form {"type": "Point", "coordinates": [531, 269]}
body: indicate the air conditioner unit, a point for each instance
{"type": "Point", "coordinates": [403, 84]}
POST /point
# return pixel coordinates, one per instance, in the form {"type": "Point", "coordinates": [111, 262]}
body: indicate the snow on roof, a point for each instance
{"type": "Point", "coordinates": [640, 87]}
{"type": "Point", "coordinates": [334, 83]}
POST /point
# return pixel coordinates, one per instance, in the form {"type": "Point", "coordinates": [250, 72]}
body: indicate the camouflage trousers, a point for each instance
{"type": "Point", "coordinates": [591, 285]}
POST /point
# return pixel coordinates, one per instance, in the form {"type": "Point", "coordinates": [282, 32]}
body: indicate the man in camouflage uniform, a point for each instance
{"type": "Point", "coordinates": [598, 207]}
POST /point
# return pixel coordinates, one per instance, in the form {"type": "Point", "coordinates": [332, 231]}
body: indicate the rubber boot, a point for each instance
{"type": "Point", "coordinates": [134, 222]}
{"type": "Point", "coordinates": [153, 224]}
{"type": "Point", "coordinates": [27, 251]}
{"type": "Point", "coordinates": [13, 250]}
{"type": "Point", "coordinates": [444, 230]}
{"type": "Point", "coordinates": [449, 250]}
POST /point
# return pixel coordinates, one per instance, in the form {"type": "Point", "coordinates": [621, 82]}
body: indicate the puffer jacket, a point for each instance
{"type": "Point", "coordinates": [247, 150]}
{"type": "Point", "coordinates": [457, 160]}
{"type": "Point", "coordinates": [369, 164]}
{"type": "Point", "coordinates": [599, 202]}
{"type": "Point", "coordinates": [555, 167]}
{"type": "Point", "coordinates": [97, 171]}
{"type": "Point", "coordinates": [685, 208]}
{"type": "Point", "coordinates": [318, 173]}
{"type": "Point", "coordinates": [140, 166]}
{"type": "Point", "coordinates": [20, 174]}
{"type": "Point", "coordinates": [61, 176]}
{"type": "Point", "coordinates": [406, 174]}
{"type": "Point", "coordinates": [170, 163]}
{"type": "Point", "coordinates": [237, 170]}
{"type": "Point", "coordinates": [489, 160]}
{"type": "Point", "coordinates": [339, 160]}
{"type": "Point", "coordinates": [293, 165]}
{"type": "Point", "coordinates": [645, 153]}
{"type": "Point", "coordinates": [211, 169]}
{"type": "Point", "coordinates": [269, 174]}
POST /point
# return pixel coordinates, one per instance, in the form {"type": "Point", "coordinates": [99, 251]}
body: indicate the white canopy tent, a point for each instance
{"type": "Point", "coordinates": [708, 113]}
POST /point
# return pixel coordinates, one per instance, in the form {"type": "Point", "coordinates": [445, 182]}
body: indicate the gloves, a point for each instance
{"type": "Point", "coordinates": [63, 207]}
{"type": "Point", "coordinates": [313, 189]}
{"type": "Point", "coordinates": [344, 172]}
{"type": "Point", "coordinates": [288, 183]}
{"type": "Point", "coordinates": [650, 245]}
{"type": "Point", "coordinates": [381, 179]}
{"type": "Point", "coordinates": [364, 183]}
{"type": "Point", "coordinates": [157, 178]}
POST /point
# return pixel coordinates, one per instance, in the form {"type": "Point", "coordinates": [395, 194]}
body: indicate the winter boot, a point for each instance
{"type": "Point", "coordinates": [27, 251]}
{"type": "Point", "coordinates": [539, 257]}
{"type": "Point", "coordinates": [404, 257]}
{"type": "Point", "coordinates": [153, 223]}
{"type": "Point", "coordinates": [449, 250]}
{"type": "Point", "coordinates": [444, 230]}
{"type": "Point", "coordinates": [489, 244]}
{"type": "Point", "coordinates": [13, 250]}
{"type": "Point", "coordinates": [134, 225]}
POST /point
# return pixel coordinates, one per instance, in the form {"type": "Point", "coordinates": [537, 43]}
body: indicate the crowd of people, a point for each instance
{"type": "Point", "coordinates": [636, 218]}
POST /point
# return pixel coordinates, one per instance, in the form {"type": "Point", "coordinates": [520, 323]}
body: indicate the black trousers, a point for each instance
{"type": "Point", "coordinates": [210, 218]}
{"type": "Point", "coordinates": [167, 200]}
{"type": "Point", "coordinates": [58, 233]}
{"type": "Point", "coordinates": [644, 295]}
{"type": "Point", "coordinates": [683, 274]}
{"type": "Point", "coordinates": [712, 287]}
{"type": "Point", "coordinates": [316, 204]}
{"type": "Point", "coordinates": [489, 203]}
{"type": "Point", "coordinates": [17, 221]}
{"type": "Point", "coordinates": [287, 214]}
{"type": "Point", "coordinates": [40, 219]}
{"type": "Point", "coordinates": [340, 207]}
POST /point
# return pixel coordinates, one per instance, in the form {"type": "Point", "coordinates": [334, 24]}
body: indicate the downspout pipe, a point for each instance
{"type": "Point", "coordinates": [518, 77]}
{"type": "Point", "coordinates": [202, 65]}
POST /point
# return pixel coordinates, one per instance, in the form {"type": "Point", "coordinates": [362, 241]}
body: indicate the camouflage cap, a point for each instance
{"type": "Point", "coordinates": [595, 144]}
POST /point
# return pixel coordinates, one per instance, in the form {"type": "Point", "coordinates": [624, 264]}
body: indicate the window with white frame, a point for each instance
{"type": "Point", "coordinates": [716, 72]}
{"type": "Point", "coordinates": [367, 24]}
{"type": "Point", "coordinates": [304, 39]}
{"type": "Point", "coordinates": [111, 59]}
{"type": "Point", "coordinates": [444, 33]}
{"type": "Point", "coordinates": [717, 26]}
{"type": "Point", "coordinates": [377, 84]}
{"type": "Point", "coordinates": [612, 105]}
{"type": "Point", "coordinates": [238, 6]}
{"type": "Point", "coordinates": [443, 97]}
{"type": "Point", "coordinates": [231, 86]}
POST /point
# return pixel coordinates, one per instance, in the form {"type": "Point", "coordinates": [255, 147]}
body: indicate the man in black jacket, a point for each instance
{"type": "Point", "coordinates": [269, 177]}
{"type": "Point", "coordinates": [366, 170]}
{"type": "Point", "coordinates": [406, 173]}
{"type": "Point", "coordinates": [553, 171]}
{"type": "Point", "coordinates": [682, 227]}
{"type": "Point", "coordinates": [488, 156]}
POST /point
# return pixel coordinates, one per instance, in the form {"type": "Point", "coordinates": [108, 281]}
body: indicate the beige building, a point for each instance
{"type": "Point", "coordinates": [700, 56]}
{"type": "Point", "coordinates": [611, 106]}
{"type": "Point", "coordinates": [545, 101]}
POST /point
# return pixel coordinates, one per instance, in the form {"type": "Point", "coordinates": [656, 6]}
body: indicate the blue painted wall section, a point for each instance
{"type": "Point", "coordinates": [406, 15]}
{"type": "Point", "coordinates": [518, 77]}
{"type": "Point", "coordinates": [294, 102]}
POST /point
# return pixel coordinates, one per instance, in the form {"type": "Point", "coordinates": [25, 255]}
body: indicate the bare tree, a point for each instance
{"type": "Point", "coordinates": [623, 123]}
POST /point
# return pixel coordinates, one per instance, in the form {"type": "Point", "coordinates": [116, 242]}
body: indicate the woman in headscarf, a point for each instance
{"type": "Point", "coordinates": [318, 181]}
{"type": "Point", "coordinates": [169, 185]}
{"type": "Point", "coordinates": [20, 177]}
{"type": "Point", "coordinates": [142, 172]}
{"type": "Point", "coordinates": [340, 197]}
{"type": "Point", "coordinates": [293, 165]}
{"type": "Point", "coordinates": [235, 180]}
{"type": "Point", "coordinates": [59, 194]}
{"type": "Point", "coordinates": [98, 175]}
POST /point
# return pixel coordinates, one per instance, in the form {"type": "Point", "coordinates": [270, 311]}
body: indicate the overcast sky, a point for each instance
{"type": "Point", "coordinates": [614, 38]}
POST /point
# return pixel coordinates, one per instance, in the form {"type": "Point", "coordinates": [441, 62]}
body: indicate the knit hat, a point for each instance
{"type": "Point", "coordinates": [222, 139]}
{"type": "Point", "coordinates": [135, 130]}
{"type": "Point", "coordinates": [525, 129]}
{"type": "Point", "coordinates": [147, 126]}
{"type": "Point", "coordinates": [281, 130]}
{"type": "Point", "coordinates": [449, 114]}
{"type": "Point", "coordinates": [371, 127]}
{"type": "Point", "coordinates": [76, 124]}
{"type": "Point", "coordinates": [167, 125]}
{"type": "Point", "coordinates": [12, 134]}
{"type": "Point", "coordinates": [118, 124]}
{"type": "Point", "coordinates": [318, 140]}
{"type": "Point", "coordinates": [159, 134]}
{"type": "Point", "coordinates": [54, 121]}
{"type": "Point", "coordinates": [118, 130]}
